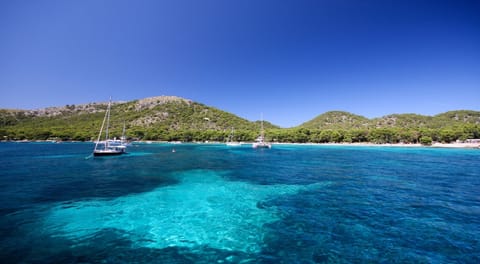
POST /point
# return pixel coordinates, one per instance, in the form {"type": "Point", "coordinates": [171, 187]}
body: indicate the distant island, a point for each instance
{"type": "Point", "coordinates": [171, 118]}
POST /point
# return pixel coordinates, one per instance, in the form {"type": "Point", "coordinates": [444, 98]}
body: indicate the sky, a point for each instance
{"type": "Point", "coordinates": [288, 60]}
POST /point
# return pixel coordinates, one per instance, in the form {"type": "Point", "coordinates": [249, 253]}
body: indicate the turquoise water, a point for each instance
{"type": "Point", "coordinates": [215, 204]}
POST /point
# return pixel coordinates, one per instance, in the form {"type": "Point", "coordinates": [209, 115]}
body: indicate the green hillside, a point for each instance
{"type": "Point", "coordinates": [456, 117]}
{"type": "Point", "coordinates": [402, 120]}
{"type": "Point", "coordinates": [346, 120]}
{"type": "Point", "coordinates": [155, 118]}
{"type": "Point", "coordinates": [173, 118]}
{"type": "Point", "coordinates": [336, 120]}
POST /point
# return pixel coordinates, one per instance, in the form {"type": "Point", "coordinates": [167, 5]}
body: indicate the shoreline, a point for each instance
{"type": "Point", "coordinates": [360, 144]}
{"type": "Point", "coordinates": [456, 145]}
{"type": "Point", "coordinates": [367, 144]}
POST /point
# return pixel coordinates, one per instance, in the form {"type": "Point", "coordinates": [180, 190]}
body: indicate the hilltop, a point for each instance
{"type": "Point", "coordinates": [176, 118]}
{"type": "Point", "coordinates": [336, 120]}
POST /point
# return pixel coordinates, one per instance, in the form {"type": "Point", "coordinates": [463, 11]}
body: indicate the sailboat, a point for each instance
{"type": "Point", "coordinates": [260, 141]}
{"type": "Point", "coordinates": [230, 141]}
{"type": "Point", "coordinates": [109, 147]}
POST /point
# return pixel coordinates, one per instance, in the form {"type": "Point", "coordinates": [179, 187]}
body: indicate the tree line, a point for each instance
{"type": "Point", "coordinates": [282, 135]}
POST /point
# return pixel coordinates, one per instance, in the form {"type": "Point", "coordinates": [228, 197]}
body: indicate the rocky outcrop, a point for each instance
{"type": "Point", "coordinates": [151, 102]}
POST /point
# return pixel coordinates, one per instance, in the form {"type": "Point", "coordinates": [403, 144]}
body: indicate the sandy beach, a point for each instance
{"type": "Point", "coordinates": [366, 144]}
{"type": "Point", "coordinates": [456, 145]}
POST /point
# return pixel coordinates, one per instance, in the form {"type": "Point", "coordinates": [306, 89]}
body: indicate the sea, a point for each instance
{"type": "Point", "coordinates": [210, 203]}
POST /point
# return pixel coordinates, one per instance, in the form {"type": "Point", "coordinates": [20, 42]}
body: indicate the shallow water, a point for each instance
{"type": "Point", "coordinates": [215, 204]}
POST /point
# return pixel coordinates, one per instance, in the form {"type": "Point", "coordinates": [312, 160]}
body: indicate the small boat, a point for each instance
{"type": "Point", "coordinates": [230, 141]}
{"type": "Point", "coordinates": [260, 141]}
{"type": "Point", "coordinates": [109, 147]}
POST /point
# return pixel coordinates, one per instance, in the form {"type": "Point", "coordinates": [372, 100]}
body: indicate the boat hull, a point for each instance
{"type": "Point", "coordinates": [107, 153]}
{"type": "Point", "coordinates": [261, 145]}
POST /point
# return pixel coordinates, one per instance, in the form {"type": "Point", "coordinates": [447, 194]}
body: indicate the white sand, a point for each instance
{"type": "Point", "coordinates": [435, 145]}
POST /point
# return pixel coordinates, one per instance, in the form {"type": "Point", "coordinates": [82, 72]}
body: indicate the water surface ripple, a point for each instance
{"type": "Point", "coordinates": [215, 204]}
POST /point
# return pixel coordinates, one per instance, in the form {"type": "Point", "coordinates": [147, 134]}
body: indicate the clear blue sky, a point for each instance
{"type": "Point", "coordinates": [290, 60]}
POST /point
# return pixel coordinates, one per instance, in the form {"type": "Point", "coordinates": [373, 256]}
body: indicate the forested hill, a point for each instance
{"type": "Point", "coordinates": [336, 120]}
{"type": "Point", "coordinates": [338, 126]}
{"type": "Point", "coordinates": [345, 120]}
{"type": "Point", "coordinates": [173, 118]}
{"type": "Point", "coordinates": [154, 118]}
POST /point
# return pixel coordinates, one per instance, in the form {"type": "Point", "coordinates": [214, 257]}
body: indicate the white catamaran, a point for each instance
{"type": "Point", "coordinates": [109, 147]}
{"type": "Point", "coordinates": [260, 141]}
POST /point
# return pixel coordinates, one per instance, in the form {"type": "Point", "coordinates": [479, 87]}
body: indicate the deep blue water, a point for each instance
{"type": "Point", "coordinates": [215, 204]}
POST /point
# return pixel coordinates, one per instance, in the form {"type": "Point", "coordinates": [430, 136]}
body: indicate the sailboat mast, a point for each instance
{"type": "Point", "coordinates": [101, 129]}
{"type": "Point", "coordinates": [261, 124]}
{"type": "Point", "coordinates": [108, 122]}
{"type": "Point", "coordinates": [122, 140]}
